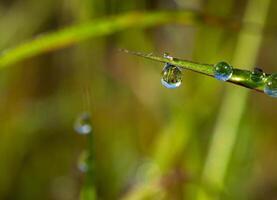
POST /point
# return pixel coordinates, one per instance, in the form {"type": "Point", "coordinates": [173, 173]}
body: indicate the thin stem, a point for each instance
{"type": "Point", "coordinates": [102, 27]}
{"type": "Point", "coordinates": [107, 26]}
{"type": "Point", "coordinates": [88, 190]}
{"type": "Point", "coordinates": [239, 77]}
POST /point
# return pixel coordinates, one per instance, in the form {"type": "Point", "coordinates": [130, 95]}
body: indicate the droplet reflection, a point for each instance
{"type": "Point", "coordinates": [271, 85]}
{"type": "Point", "coordinates": [257, 76]}
{"type": "Point", "coordinates": [171, 76]}
{"type": "Point", "coordinates": [82, 124]}
{"type": "Point", "coordinates": [223, 71]}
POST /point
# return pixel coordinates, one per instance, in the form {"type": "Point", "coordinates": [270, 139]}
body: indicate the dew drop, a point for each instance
{"type": "Point", "coordinates": [82, 124]}
{"type": "Point", "coordinates": [223, 71]}
{"type": "Point", "coordinates": [271, 85]}
{"type": "Point", "coordinates": [166, 55]}
{"type": "Point", "coordinates": [257, 75]}
{"type": "Point", "coordinates": [171, 76]}
{"type": "Point", "coordinates": [83, 162]}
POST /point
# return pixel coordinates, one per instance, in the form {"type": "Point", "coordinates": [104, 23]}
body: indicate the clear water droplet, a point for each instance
{"type": "Point", "coordinates": [257, 75]}
{"type": "Point", "coordinates": [83, 162]}
{"type": "Point", "coordinates": [171, 76]}
{"type": "Point", "coordinates": [82, 124]}
{"type": "Point", "coordinates": [166, 55]}
{"type": "Point", "coordinates": [223, 71]}
{"type": "Point", "coordinates": [271, 85]}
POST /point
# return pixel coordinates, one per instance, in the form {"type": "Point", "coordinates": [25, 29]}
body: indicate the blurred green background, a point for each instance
{"type": "Point", "coordinates": [204, 140]}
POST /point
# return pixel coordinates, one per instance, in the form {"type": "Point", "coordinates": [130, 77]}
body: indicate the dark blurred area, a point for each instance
{"type": "Point", "coordinates": [149, 141]}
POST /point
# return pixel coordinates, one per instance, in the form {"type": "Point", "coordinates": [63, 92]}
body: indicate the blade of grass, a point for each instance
{"type": "Point", "coordinates": [88, 190]}
{"type": "Point", "coordinates": [103, 27]}
{"type": "Point", "coordinates": [72, 35]}
{"type": "Point", "coordinates": [239, 76]}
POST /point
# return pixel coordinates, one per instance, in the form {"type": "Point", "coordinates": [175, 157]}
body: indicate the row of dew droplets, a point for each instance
{"type": "Point", "coordinates": [223, 72]}
{"type": "Point", "coordinates": [86, 162]}
{"type": "Point", "coordinates": [171, 74]}
{"type": "Point", "coordinates": [83, 126]}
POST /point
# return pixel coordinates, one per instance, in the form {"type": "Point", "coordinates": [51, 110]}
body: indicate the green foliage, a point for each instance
{"type": "Point", "coordinates": [202, 140]}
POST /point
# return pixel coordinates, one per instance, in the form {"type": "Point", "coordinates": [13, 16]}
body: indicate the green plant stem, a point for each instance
{"type": "Point", "coordinates": [88, 190]}
{"type": "Point", "coordinates": [239, 77]}
{"type": "Point", "coordinates": [72, 35]}
{"type": "Point", "coordinates": [103, 27]}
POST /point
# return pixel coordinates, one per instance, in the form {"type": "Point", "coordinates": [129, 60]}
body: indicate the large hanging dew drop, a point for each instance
{"type": "Point", "coordinates": [171, 76]}
{"type": "Point", "coordinates": [223, 71]}
{"type": "Point", "coordinates": [271, 85]}
{"type": "Point", "coordinates": [257, 75]}
{"type": "Point", "coordinates": [82, 124]}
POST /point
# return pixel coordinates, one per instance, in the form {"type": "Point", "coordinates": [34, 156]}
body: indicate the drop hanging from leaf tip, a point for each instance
{"type": "Point", "coordinates": [171, 74]}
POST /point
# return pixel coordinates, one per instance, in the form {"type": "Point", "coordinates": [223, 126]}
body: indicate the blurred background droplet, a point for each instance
{"type": "Point", "coordinates": [82, 124]}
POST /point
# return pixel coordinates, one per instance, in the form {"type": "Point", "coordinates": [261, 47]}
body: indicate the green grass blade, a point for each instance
{"type": "Point", "coordinates": [102, 27]}
{"type": "Point", "coordinates": [240, 77]}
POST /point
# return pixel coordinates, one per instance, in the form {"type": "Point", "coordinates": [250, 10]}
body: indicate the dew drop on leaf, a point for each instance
{"type": "Point", "coordinates": [166, 55]}
{"type": "Point", "coordinates": [271, 85]}
{"type": "Point", "coordinates": [82, 124]}
{"type": "Point", "coordinates": [257, 75]}
{"type": "Point", "coordinates": [171, 76]}
{"type": "Point", "coordinates": [223, 71]}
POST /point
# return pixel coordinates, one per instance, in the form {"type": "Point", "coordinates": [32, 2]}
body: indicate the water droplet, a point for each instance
{"type": "Point", "coordinates": [223, 71]}
{"type": "Point", "coordinates": [171, 76]}
{"type": "Point", "coordinates": [257, 75]}
{"type": "Point", "coordinates": [83, 124]}
{"type": "Point", "coordinates": [271, 85]}
{"type": "Point", "coordinates": [166, 55]}
{"type": "Point", "coordinates": [83, 162]}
